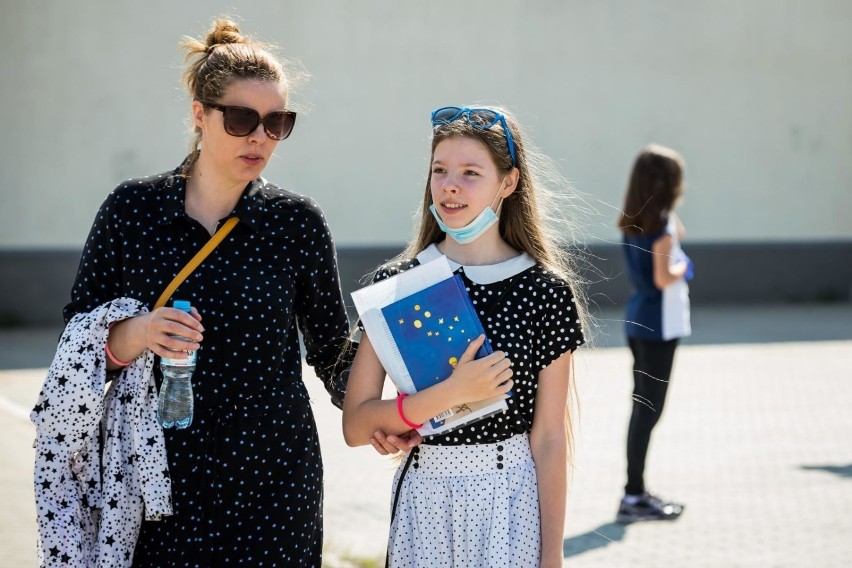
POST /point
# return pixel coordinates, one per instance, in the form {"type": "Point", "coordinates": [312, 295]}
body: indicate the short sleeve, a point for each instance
{"type": "Point", "coordinates": [559, 327]}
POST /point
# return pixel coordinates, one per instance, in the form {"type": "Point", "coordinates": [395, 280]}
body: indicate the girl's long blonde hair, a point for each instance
{"type": "Point", "coordinates": [537, 218]}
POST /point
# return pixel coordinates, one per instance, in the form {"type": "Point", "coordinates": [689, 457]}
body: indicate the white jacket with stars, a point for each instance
{"type": "Point", "coordinates": [100, 459]}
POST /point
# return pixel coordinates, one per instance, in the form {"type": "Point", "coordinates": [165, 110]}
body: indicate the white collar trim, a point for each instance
{"type": "Point", "coordinates": [486, 273]}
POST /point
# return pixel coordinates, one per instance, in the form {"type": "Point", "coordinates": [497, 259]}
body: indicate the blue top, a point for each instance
{"type": "Point", "coordinates": [654, 314]}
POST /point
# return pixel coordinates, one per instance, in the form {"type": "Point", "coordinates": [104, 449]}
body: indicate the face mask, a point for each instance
{"type": "Point", "coordinates": [472, 230]}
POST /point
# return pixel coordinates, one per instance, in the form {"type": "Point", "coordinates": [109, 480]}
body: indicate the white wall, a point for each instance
{"type": "Point", "coordinates": [756, 95]}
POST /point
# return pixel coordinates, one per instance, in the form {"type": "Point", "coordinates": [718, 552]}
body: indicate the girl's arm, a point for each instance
{"type": "Point", "coordinates": [549, 444]}
{"type": "Point", "coordinates": [681, 230]}
{"type": "Point", "coordinates": [664, 272]}
{"type": "Point", "coordinates": [365, 413]}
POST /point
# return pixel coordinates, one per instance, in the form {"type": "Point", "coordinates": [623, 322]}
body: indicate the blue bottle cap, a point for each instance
{"type": "Point", "coordinates": [182, 305]}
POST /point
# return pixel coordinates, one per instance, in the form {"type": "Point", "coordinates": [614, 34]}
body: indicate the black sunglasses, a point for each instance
{"type": "Point", "coordinates": [242, 121]}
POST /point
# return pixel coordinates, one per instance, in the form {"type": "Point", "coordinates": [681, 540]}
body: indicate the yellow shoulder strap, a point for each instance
{"type": "Point", "coordinates": [196, 260]}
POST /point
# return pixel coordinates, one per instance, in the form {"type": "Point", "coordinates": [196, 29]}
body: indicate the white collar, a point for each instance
{"type": "Point", "coordinates": [485, 273]}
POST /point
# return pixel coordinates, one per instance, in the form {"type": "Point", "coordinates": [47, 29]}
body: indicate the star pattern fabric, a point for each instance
{"type": "Point", "coordinates": [100, 453]}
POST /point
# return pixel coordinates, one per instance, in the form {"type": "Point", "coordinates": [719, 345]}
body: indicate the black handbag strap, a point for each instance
{"type": "Point", "coordinates": [396, 497]}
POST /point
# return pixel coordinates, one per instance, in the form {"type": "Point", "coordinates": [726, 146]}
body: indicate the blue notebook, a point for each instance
{"type": "Point", "coordinates": [432, 328]}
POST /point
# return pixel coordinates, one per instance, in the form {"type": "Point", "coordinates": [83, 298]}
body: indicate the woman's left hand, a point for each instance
{"type": "Point", "coordinates": [390, 445]}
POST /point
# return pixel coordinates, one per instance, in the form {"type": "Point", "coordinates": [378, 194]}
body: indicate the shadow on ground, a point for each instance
{"type": "Point", "coordinates": [594, 539]}
{"type": "Point", "coordinates": [839, 470]}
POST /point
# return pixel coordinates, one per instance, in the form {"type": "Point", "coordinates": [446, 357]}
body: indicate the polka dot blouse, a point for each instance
{"type": "Point", "coordinates": [529, 314]}
{"type": "Point", "coordinates": [247, 474]}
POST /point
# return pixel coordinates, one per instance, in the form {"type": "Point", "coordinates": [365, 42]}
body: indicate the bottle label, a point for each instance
{"type": "Point", "coordinates": [188, 362]}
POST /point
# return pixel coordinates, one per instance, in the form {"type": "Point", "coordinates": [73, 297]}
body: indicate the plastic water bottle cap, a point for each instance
{"type": "Point", "coordinates": [182, 305]}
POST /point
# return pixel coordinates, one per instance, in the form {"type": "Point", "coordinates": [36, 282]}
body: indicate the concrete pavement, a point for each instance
{"type": "Point", "coordinates": [756, 439]}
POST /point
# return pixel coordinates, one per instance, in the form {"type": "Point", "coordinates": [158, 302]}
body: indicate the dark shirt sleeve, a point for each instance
{"type": "Point", "coordinates": [380, 274]}
{"type": "Point", "coordinates": [99, 275]}
{"type": "Point", "coordinates": [321, 311]}
{"type": "Point", "coordinates": [559, 328]}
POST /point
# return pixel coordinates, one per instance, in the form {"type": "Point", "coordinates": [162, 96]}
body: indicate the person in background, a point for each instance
{"type": "Point", "coordinates": [657, 312]}
{"type": "Point", "coordinates": [492, 492]}
{"type": "Point", "coordinates": [247, 476]}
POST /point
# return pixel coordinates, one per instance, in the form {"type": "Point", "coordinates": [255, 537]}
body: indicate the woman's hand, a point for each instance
{"type": "Point", "coordinates": [478, 379]}
{"type": "Point", "coordinates": [165, 325]}
{"type": "Point", "coordinates": [129, 338]}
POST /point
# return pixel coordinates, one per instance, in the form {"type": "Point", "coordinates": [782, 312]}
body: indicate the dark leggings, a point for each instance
{"type": "Point", "coordinates": [652, 367]}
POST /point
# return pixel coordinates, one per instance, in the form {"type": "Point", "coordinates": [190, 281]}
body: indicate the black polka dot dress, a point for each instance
{"type": "Point", "coordinates": [469, 497]}
{"type": "Point", "coordinates": [247, 474]}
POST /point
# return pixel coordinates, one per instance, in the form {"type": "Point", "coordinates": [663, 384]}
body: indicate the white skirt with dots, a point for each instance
{"type": "Point", "coordinates": [467, 506]}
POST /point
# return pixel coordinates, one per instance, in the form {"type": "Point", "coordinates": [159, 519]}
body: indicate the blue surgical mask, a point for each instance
{"type": "Point", "coordinates": [472, 230]}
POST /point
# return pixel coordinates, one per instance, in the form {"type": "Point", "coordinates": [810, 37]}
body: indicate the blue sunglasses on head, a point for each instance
{"type": "Point", "coordinates": [482, 118]}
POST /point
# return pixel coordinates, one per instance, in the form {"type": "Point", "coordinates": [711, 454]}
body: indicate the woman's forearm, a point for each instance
{"type": "Point", "coordinates": [126, 340]}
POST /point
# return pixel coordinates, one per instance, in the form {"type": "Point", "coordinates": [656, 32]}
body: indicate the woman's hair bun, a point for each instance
{"type": "Point", "coordinates": [224, 31]}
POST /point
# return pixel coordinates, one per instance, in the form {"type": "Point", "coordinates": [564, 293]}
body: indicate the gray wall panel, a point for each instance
{"type": "Point", "coordinates": [36, 284]}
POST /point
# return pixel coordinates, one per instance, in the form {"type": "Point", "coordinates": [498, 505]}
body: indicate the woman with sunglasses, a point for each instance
{"type": "Point", "coordinates": [247, 474]}
{"type": "Point", "coordinates": [492, 492]}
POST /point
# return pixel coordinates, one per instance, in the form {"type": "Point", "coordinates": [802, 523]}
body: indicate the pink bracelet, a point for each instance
{"type": "Point", "coordinates": [411, 425]}
{"type": "Point", "coordinates": [112, 357]}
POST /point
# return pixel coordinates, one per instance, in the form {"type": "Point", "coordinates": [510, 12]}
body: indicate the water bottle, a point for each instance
{"type": "Point", "coordinates": [175, 406]}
